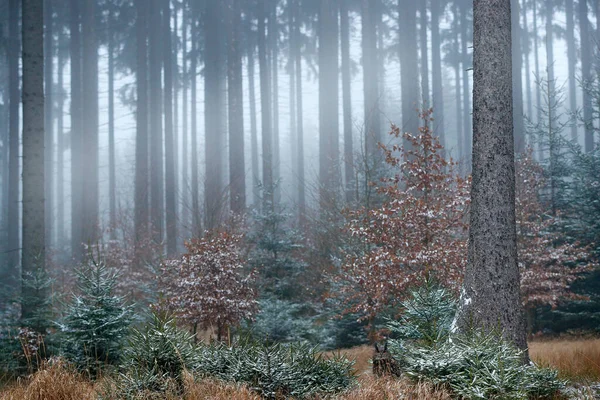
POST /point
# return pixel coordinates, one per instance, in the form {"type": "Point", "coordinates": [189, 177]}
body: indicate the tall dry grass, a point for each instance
{"type": "Point", "coordinates": [575, 359]}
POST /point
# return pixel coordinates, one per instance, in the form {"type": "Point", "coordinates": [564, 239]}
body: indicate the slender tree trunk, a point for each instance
{"type": "Point", "coordinates": [185, 81]}
{"type": "Point", "coordinates": [491, 295]}
{"type": "Point", "coordinates": [60, 145]}
{"type": "Point", "coordinates": [347, 102]}
{"type": "Point", "coordinates": [141, 142]}
{"type": "Point", "coordinates": [466, 5]}
{"type": "Point", "coordinates": [49, 119]}
{"type": "Point", "coordinates": [457, 93]}
{"type": "Point", "coordinates": [197, 227]}
{"type": "Point", "coordinates": [273, 38]}
{"type": "Point", "coordinates": [176, 85]}
{"type": "Point", "coordinates": [155, 37]}
{"type": "Point", "coordinates": [424, 54]}
{"type": "Point", "coordinates": [550, 44]}
{"type": "Point", "coordinates": [517, 60]}
{"type": "Point", "coordinates": [170, 143]}
{"type": "Point", "coordinates": [291, 68]}
{"type": "Point", "coordinates": [538, 93]}
{"type": "Point", "coordinates": [409, 71]}
{"type": "Point", "coordinates": [253, 128]}
{"type": "Point", "coordinates": [34, 249]}
{"type": "Point", "coordinates": [90, 186]}
{"type": "Point", "coordinates": [437, 99]}
{"type": "Point", "coordinates": [237, 167]}
{"type": "Point", "coordinates": [372, 127]}
{"type": "Point", "coordinates": [572, 61]}
{"type": "Point", "coordinates": [112, 170]}
{"type": "Point", "coordinates": [14, 47]}
{"type": "Point", "coordinates": [213, 62]}
{"type": "Point", "coordinates": [527, 51]}
{"type": "Point", "coordinates": [328, 102]}
{"type": "Point", "coordinates": [584, 32]}
{"type": "Point", "coordinates": [76, 131]}
{"type": "Point", "coordinates": [265, 100]}
{"type": "Point", "coordinates": [299, 116]}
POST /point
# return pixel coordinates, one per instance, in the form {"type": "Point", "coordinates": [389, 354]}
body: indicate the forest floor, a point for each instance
{"type": "Point", "coordinates": [577, 359]}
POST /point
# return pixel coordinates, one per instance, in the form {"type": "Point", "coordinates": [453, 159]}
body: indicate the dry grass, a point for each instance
{"type": "Point", "coordinates": [575, 359]}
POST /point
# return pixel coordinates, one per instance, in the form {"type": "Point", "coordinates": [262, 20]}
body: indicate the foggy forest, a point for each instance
{"type": "Point", "coordinates": [307, 199]}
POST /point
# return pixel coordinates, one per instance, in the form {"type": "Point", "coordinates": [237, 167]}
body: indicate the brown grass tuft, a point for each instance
{"type": "Point", "coordinates": [575, 359]}
{"type": "Point", "coordinates": [54, 382]}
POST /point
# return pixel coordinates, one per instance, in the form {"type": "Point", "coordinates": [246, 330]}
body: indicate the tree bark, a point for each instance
{"type": "Point", "coordinates": [237, 166]}
{"type": "Point", "coordinates": [34, 249]}
{"type": "Point", "coordinates": [141, 141]}
{"type": "Point", "coordinates": [517, 62]}
{"type": "Point", "coordinates": [60, 145]}
{"type": "Point", "coordinates": [347, 102]}
{"type": "Point", "coordinates": [409, 70]}
{"type": "Point", "coordinates": [457, 92]}
{"type": "Point", "coordinates": [372, 127]}
{"type": "Point", "coordinates": [526, 53]}
{"type": "Point", "coordinates": [584, 32]}
{"type": "Point", "coordinates": [273, 37]}
{"type": "Point", "coordinates": [328, 102]}
{"type": "Point", "coordinates": [299, 116]}
{"type": "Point", "coordinates": [14, 46]}
{"type": "Point", "coordinates": [536, 53]}
{"type": "Point", "coordinates": [572, 61]}
{"type": "Point", "coordinates": [437, 99]}
{"type": "Point", "coordinates": [185, 81]}
{"type": "Point", "coordinates": [112, 170]}
{"type": "Point", "coordinates": [265, 100]}
{"type": "Point", "coordinates": [425, 102]}
{"type": "Point", "coordinates": [466, 5]}
{"type": "Point", "coordinates": [197, 225]}
{"type": "Point", "coordinates": [253, 127]}
{"type": "Point", "coordinates": [490, 297]}
{"type": "Point", "coordinates": [170, 143]}
{"type": "Point", "coordinates": [49, 118]}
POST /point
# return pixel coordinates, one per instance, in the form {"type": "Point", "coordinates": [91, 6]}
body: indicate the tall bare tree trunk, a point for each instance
{"type": "Point", "coordinates": [347, 103]}
{"type": "Point", "coordinates": [49, 118]}
{"type": "Point", "coordinates": [253, 127]}
{"type": "Point", "coordinates": [409, 69]}
{"type": "Point", "coordinates": [437, 99]}
{"type": "Point", "coordinates": [265, 100]}
{"type": "Point", "coordinates": [462, 156]}
{"type": "Point", "coordinates": [586, 66]}
{"type": "Point", "coordinates": [571, 60]}
{"type": "Point", "coordinates": [526, 53]}
{"type": "Point", "coordinates": [299, 116]}
{"type": "Point", "coordinates": [372, 129]}
{"type": "Point", "coordinates": [466, 5]}
{"type": "Point", "coordinates": [141, 141]}
{"type": "Point", "coordinates": [170, 143]}
{"type": "Point", "coordinates": [60, 145]}
{"type": "Point", "coordinates": [424, 54]}
{"type": "Point", "coordinates": [197, 220]}
{"type": "Point", "coordinates": [76, 131]}
{"type": "Point", "coordinates": [14, 47]}
{"type": "Point", "coordinates": [517, 60]}
{"type": "Point", "coordinates": [185, 81]}
{"type": "Point", "coordinates": [112, 170]}
{"type": "Point", "coordinates": [34, 249]}
{"type": "Point", "coordinates": [490, 298]}
{"type": "Point", "coordinates": [273, 38]}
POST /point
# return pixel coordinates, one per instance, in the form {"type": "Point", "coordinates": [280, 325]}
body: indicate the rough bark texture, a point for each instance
{"type": "Point", "coordinates": [328, 102]}
{"type": "Point", "coordinates": [490, 297]}
{"type": "Point", "coordinates": [13, 137]}
{"type": "Point", "coordinates": [141, 136]}
{"type": "Point", "coordinates": [34, 249]}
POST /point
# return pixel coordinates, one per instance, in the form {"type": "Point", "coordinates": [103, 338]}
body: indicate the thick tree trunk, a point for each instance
{"type": "Point", "coordinates": [34, 249]}
{"type": "Point", "coordinates": [14, 46]}
{"type": "Point", "coordinates": [213, 113]}
{"type": "Point", "coordinates": [76, 132]}
{"type": "Point", "coordinates": [49, 118]}
{"type": "Point", "coordinates": [265, 100]}
{"type": "Point", "coordinates": [347, 103]}
{"type": "Point", "coordinates": [572, 61]}
{"type": "Point", "coordinates": [372, 129]}
{"type": "Point", "coordinates": [253, 128]}
{"type": "Point", "coordinates": [112, 170]}
{"type": "Point", "coordinates": [328, 102]}
{"type": "Point", "coordinates": [437, 99]}
{"type": "Point", "coordinates": [141, 141]}
{"type": "Point", "coordinates": [490, 297]}
{"type": "Point", "coordinates": [170, 143]}
{"type": "Point", "coordinates": [409, 70]}
{"type": "Point", "coordinates": [237, 166]}
{"type": "Point", "coordinates": [517, 62]}
{"type": "Point", "coordinates": [425, 102]}
{"type": "Point", "coordinates": [155, 37]}
{"type": "Point", "coordinates": [584, 32]}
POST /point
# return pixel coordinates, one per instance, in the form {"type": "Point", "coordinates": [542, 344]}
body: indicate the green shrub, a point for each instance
{"type": "Point", "coordinates": [273, 370]}
{"type": "Point", "coordinates": [96, 322]}
{"type": "Point", "coordinates": [476, 365]}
